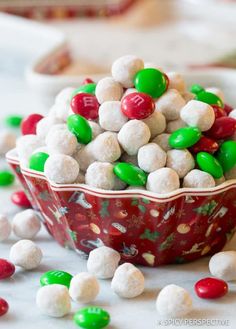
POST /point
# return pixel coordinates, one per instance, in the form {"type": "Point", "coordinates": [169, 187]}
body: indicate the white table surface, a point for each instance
{"type": "Point", "coordinates": [138, 313]}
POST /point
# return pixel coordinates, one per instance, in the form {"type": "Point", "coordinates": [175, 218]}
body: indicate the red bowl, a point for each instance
{"type": "Point", "coordinates": [146, 228]}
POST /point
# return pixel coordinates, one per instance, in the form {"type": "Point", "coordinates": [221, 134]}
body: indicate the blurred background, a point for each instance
{"type": "Point", "coordinates": [48, 44]}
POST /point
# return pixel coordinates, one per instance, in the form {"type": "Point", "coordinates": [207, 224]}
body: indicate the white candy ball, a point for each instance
{"type": "Point", "coordinates": [163, 180]}
{"type": "Point", "coordinates": [26, 254]}
{"type": "Point", "coordinates": [216, 91]}
{"type": "Point", "coordinates": [25, 145]}
{"type": "Point", "coordinates": [124, 69]}
{"type": "Point", "coordinates": [64, 95]}
{"type": "Point", "coordinates": [133, 135]}
{"type": "Point", "coordinates": [176, 81]}
{"type": "Point", "coordinates": [231, 174]}
{"type": "Point", "coordinates": [223, 265]}
{"type": "Point", "coordinates": [198, 179]}
{"type": "Point", "coordinates": [106, 147]}
{"type": "Point", "coordinates": [173, 301]}
{"type": "Point", "coordinates": [61, 141]}
{"type": "Point", "coordinates": [53, 300]}
{"type": "Point", "coordinates": [232, 114]}
{"type": "Point", "coordinates": [84, 288]}
{"type": "Point", "coordinates": [26, 224]}
{"type": "Point", "coordinates": [170, 104]}
{"type": "Point", "coordinates": [44, 125]}
{"type": "Point", "coordinates": [175, 125]}
{"type": "Point", "coordinates": [61, 111]}
{"type": "Point", "coordinates": [111, 117]}
{"type": "Point", "coordinates": [84, 156]}
{"type": "Point", "coordinates": [128, 281]}
{"type": "Point", "coordinates": [100, 175]}
{"type": "Point", "coordinates": [151, 157]}
{"type": "Point", "coordinates": [156, 122]}
{"type": "Point", "coordinates": [198, 114]}
{"type": "Point", "coordinates": [96, 129]}
{"type": "Point", "coordinates": [5, 228]}
{"type": "Point", "coordinates": [7, 141]}
{"type": "Point", "coordinates": [163, 141]}
{"type": "Point", "coordinates": [108, 89]}
{"type": "Point", "coordinates": [61, 169]}
{"type": "Point", "coordinates": [103, 262]}
{"type": "Point", "coordinates": [57, 127]}
{"type": "Point", "coordinates": [181, 161]}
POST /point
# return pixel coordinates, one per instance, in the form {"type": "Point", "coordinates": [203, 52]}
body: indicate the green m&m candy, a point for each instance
{"type": "Point", "coordinates": [56, 277]}
{"type": "Point", "coordinates": [150, 81]}
{"type": "Point", "coordinates": [37, 161]}
{"type": "Point", "coordinates": [89, 88]}
{"type": "Point", "coordinates": [184, 137]}
{"type": "Point", "coordinates": [80, 127]}
{"type": "Point", "coordinates": [92, 317]}
{"type": "Point", "coordinates": [195, 89]}
{"type": "Point", "coordinates": [6, 178]}
{"type": "Point", "coordinates": [130, 174]}
{"type": "Point", "coordinates": [209, 98]}
{"type": "Point", "coordinates": [209, 164]}
{"type": "Point", "coordinates": [227, 155]}
{"type": "Point", "coordinates": [13, 120]}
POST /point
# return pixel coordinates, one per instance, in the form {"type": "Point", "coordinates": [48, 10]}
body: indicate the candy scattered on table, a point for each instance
{"type": "Point", "coordinates": [5, 228]}
{"type": "Point", "coordinates": [26, 254]}
{"type": "Point", "coordinates": [13, 120]}
{"type": "Point", "coordinates": [26, 224]}
{"type": "Point", "coordinates": [19, 198]}
{"type": "Point", "coordinates": [138, 127]}
{"type": "Point", "coordinates": [84, 288]}
{"type": "Point", "coordinates": [3, 306]}
{"type": "Point", "coordinates": [223, 265]}
{"type": "Point", "coordinates": [128, 281]}
{"type": "Point", "coordinates": [53, 300]}
{"type": "Point", "coordinates": [7, 269]}
{"type": "Point", "coordinates": [92, 317]}
{"type": "Point", "coordinates": [56, 277]}
{"type": "Point", "coordinates": [103, 262]}
{"type": "Point", "coordinates": [211, 288]}
{"type": "Point", "coordinates": [6, 178]}
{"type": "Point", "coordinates": [174, 301]}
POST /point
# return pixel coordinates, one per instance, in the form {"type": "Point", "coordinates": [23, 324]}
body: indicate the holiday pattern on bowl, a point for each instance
{"type": "Point", "coordinates": [145, 230]}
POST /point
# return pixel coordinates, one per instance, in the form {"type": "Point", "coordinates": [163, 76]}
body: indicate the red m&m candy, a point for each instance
{"type": "Point", "coordinates": [28, 125]}
{"type": "Point", "coordinates": [7, 269]}
{"type": "Point", "coordinates": [219, 111]}
{"type": "Point", "coordinates": [85, 105]}
{"type": "Point", "coordinates": [210, 288]}
{"type": "Point", "coordinates": [222, 128]}
{"type": "Point", "coordinates": [20, 199]}
{"type": "Point", "coordinates": [87, 80]}
{"type": "Point", "coordinates": [228, 108]}
{"type": "Point", "coordinates": [205, 145]}
{"type": "Point", "coordinates": [137, 106]}
{"type": "Point", "coordinates": [3, 306]}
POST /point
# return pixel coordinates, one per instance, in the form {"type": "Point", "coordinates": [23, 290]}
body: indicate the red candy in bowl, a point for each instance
{"type": "Point", "coordinates": [146, 228]}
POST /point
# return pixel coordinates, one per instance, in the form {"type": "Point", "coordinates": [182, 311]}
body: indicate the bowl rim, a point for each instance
{"type": "Point", "coordinates": [12, 158]}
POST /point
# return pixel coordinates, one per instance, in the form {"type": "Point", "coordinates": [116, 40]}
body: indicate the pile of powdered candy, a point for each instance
{"type": "Point", "coordinates": [139, 128]}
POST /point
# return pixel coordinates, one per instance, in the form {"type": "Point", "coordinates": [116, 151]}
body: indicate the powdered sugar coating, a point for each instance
{"type": "Point", "coordinates": [25, 145]}
{"type": "Point", "coordinates": [84, 156]}
{"type": "Point", "coordinates": [96, 128]}
{"type": "Point", "coordinates": [108, 89]}
{"type": "Point", "coordinates": [26, 224]}
{"type": "Point", "coordinates": [26, 254]}
{"type": "Point", "coordinates": [176, 81]}
{"type": "Point", "coordinates": [44, 125]}
{"type": "Point", "coordinates": [175, 125]}
{"type": "Point", "coordinates": [163, 180]}
{"type": "Point", "coordinates": [198, 179]}
{"type": "Point", "coordinates": [170, 104]}
{"type": "Point", "coordinates": [61, 169]}
{"type": "Point", "coordinates": [156, 122]}
{"type": "Point", "coordinates": [53, 300]}
{"type": "Point", "coordinates": [5, 228]}
{"type": "Point", "coordinates": [111, 117]}
{"type": "Point", "coordinates": [84, 287]}
{"type": "Point", "coordinates": [61, 141]}
{"type": "Point", "coordinates": [223, 265]}
{"type": "Point", "coordinates": [124, 69]}
{"type": "Point", "coordinates": [198, 114]}
{"type": "Point", "coordinates": [128, 281]}
{"type": "Point", "coordinates": [181, 161]}
{"type": "Point", "coordinates": [106, 147]}
{"type": "Point", "coordinates": [100, 175]}
{"type": "Point", "coordinates": [133, 135]}
{"type": "Point", "coordinates": [151, 157]}
{"type": "Point", "coordinates": [163, 141]}
{"type": "Point", "coordinates": [103, 262]}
